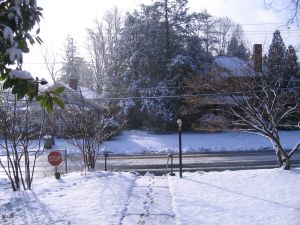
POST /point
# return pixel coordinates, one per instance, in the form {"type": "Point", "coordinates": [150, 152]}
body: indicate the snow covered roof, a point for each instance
{"type": "Point", "coordinates": [233, 66]}
{"type": "Point", "coordinates": [87, 93]}
{"type": "Point", "coordinates": [74, 96]}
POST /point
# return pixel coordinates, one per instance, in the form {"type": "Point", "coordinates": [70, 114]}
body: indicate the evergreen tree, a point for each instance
{"type": "Point", "coordinates": [75, 66]}
{"type": "Point", "coordinates": [236, 46]}
{"type": "Point", "coordinates": [282, 62]}
{"type": "Point", "coordinates": [291, 66]}
{"type": "Point", "coordinates": [206, 27]}
{"type": "Point", "coordinates": [291, 61]}
{"type": "Point", "coordinates": [71, 59]}
{"type": "Point", "coordinates": [276, 55]}
{"type": "Point", "coordinates": [157, 48]}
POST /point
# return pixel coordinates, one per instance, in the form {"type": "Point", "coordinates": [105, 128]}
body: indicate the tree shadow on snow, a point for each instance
{"type": "Point", "coordinates": [29, 209]}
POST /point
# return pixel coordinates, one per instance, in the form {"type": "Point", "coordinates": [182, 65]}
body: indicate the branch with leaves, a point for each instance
{"type": "Point", "coordinates": [18, 19]}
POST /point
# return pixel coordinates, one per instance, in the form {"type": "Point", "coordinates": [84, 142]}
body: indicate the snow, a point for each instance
{"type": "Point", "coordinates": [235, 66]}
{"type": "Point", "coordinates": [143, 142]}
{"type": "Point", "coordinates": [88, 93]}
{"type": "Point", "coordinates": [20, 74]}
{"type": "Point", "coordinates": [43, 80]}
{"type": "Point", "coordinates": [15, 13]}
{"type": "Point", "coordinates": [242, 197]}
{"type": "Point", "coordinates": [15, 53]}
{"type": "Point", "coordinates": [8, 34]}
{"type": "Point", "coordinates": [231, 197]}
{"type": "Point", "coordinates": [78, 199]}
{"type": "Point", "coordinates": [136, 141]}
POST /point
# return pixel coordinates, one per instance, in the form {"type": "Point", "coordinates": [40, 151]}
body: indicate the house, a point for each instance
{"type": "Point", "coordinates": [76, 95]}
{"type": "Point", "coordinates": [205, 110]}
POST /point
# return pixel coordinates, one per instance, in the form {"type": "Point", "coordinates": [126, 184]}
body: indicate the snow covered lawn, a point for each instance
{"type": "Point", "coordinates": [232, 197]}
{"type": "Point", "coordinates": [137, 142]}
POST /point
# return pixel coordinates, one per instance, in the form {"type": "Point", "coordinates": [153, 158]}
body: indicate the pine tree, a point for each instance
{"type": "Point", "coordinates": [291, 66]}
{"type": "Point", "coordinates": [276, 55]}
{"type": "Point", "coordinates": [70, 67]}
{"type": "Point", "coordinates": [236, 46]}
{"type": "Point", "coordinates": [206, 25]}
{"type": "Point", "coordinates": [158, 46]}
{"type": "Point", "coordinates": [75, 66]}
{"type": "Point", "coordinates": [291, 61]}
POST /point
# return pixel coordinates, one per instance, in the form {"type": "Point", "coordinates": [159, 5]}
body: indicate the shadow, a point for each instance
{"type": "Point", "coordinates": [28, 209]}
{"type": "Point", "coordinates": [61, 181]}
{"type": "Point", "coordinates": [245, 195]}
{"type": "Point", "coordinates": [296, 170]}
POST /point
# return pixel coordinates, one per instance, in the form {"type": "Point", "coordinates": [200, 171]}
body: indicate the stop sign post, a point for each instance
{"type": "Point", "coordinates": [55, 158]}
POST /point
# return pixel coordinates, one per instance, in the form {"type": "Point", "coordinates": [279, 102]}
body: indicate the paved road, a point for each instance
{"type": "Point", "coordinates": [157, 163]}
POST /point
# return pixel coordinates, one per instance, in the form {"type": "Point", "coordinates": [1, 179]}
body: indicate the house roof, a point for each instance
{"type": "Point", "coordinates": [233, 66]}
{"type": "Point", "coordinates": [87, 93]}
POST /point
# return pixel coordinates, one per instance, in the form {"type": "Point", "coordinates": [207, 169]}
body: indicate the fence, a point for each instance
{"type": "Point", "coordinates": [42, 166]}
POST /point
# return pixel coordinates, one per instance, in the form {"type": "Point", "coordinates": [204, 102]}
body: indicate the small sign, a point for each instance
{"type": "Point", "coordinates": [55, 158]}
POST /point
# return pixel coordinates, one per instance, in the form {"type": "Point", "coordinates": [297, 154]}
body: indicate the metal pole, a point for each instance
{"type": "Point", "coordinates": [66, 161]}
{"type": "Point", "coordinates": [171, 163]}
{"type": "Point", "coordinates": [172, 173]}
{"type": "Point", "coordinates": [105, 158]}
{"type": "Point", "coordinates": [180, 154]}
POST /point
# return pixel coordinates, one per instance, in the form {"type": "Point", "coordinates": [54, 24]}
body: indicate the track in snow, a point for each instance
{"type": "Point", "coordinates": [150, 202]}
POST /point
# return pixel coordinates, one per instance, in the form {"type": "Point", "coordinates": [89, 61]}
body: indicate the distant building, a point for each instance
{"type": "Point", "coordinates": [75, 94]}
{"type": "Point", "coordinates": [206, 111]}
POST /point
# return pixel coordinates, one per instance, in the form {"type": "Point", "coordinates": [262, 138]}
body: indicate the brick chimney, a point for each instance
{"type": "Point", "coordinates": [257, 57]}
{"type": "Point", "coordinates": [73, 83]}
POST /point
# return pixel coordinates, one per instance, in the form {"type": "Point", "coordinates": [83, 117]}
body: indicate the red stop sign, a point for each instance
{"type": "Point", "coordinates": [55, 158]}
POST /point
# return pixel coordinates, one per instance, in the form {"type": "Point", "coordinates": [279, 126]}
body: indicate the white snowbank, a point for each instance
{"type": "Point", "coordinates": [142, 142]}
{"type": "Point", "coordinates": [136, 141]}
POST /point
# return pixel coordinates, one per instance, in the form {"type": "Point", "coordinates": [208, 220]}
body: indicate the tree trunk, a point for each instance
{"type": "Point", "coordinates": [283, 159]}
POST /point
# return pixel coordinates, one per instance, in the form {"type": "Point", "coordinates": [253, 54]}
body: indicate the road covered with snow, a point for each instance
{"type": "Point", "coordinates": [269, 196]}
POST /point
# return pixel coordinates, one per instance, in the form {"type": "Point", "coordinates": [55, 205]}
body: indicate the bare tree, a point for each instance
{"type": "Point", "coordinates": [292, 6]}
{"type": "Point", "coordinates": [224, 30]}
{"type": "Point", "coordinates": [87, 127]}
{"type": "Point", "coordinates": [18, 126]}
{"type": "Point", "coordinates": [50, 60]}
{"type": "Point", "coordinates": [101, 42]}
{"type": "Point", "coordinates": [259, 103]}
{"type": "Point", "coordinates": [206, 27]}
{"type": "Point", "coordinates": [262, 104]}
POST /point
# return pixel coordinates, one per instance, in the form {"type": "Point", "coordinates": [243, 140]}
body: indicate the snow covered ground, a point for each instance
{"type": "Point", "coordinates": [255, 197]}
{"type": "Point", "coordinates": [137, 142]}
{"type": "Point", "coordinates": [104, 198]}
